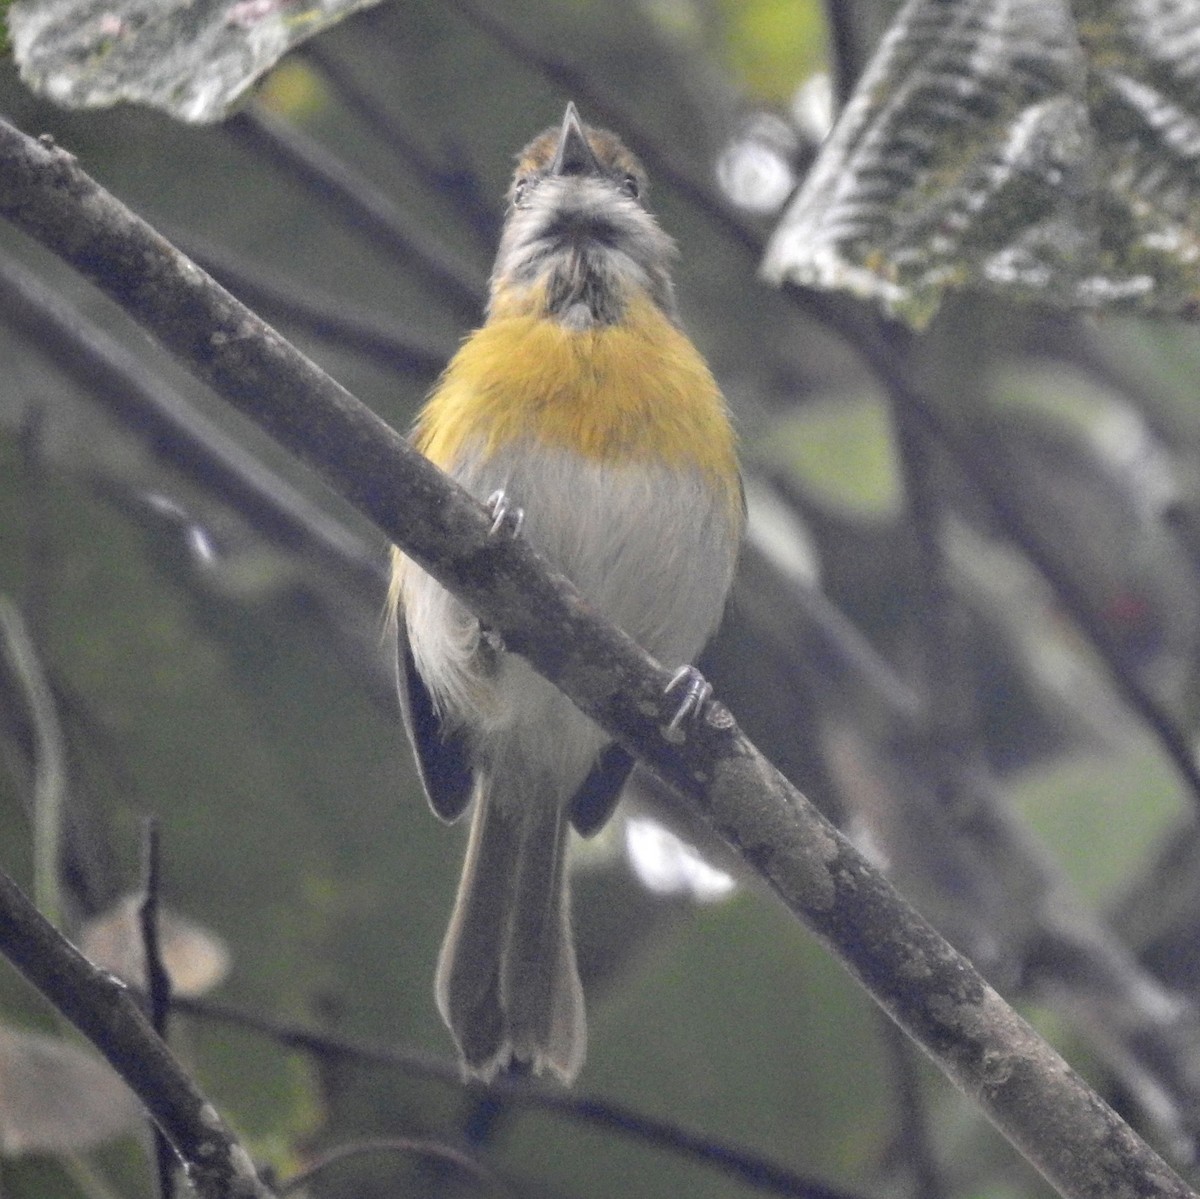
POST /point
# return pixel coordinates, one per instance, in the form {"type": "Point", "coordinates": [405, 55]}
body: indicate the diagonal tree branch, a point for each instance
{"type": "Point", "coordinates": [935, 994]}
{"type": "Point", "coordinates": [106, 1012]}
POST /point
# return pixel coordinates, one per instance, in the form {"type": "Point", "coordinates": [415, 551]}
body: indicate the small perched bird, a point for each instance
{"type": "Point", "coordinates": [585, 418]}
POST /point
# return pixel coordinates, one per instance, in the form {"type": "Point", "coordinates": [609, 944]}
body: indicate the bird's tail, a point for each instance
{"type": "Point", "coordinates": [507, 984]}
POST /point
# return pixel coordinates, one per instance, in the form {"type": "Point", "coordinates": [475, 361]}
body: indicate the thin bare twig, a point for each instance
{"type": "Point", "coordinates": [409, 1146]}
{"type": "Point", "coordinates": [49, 758]}
{"type": "Point", "coordinates": [949, 736]}
{"type": "Point", "coordinates": [158, 982]}
{"type": "Point", "coordinates": [38, 556]}
{"type": "Point", "coordinates": [912, 1142]}
{"type": "Point", "coordinates": [844, 50]}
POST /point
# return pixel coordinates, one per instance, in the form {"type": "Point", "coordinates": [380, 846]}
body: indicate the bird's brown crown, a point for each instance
{"type": "Point", "coordinates": [614, 158]}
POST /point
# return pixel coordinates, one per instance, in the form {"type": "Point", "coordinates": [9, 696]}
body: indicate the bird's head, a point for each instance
{"type": "Point", "coordinates": [578, 243]}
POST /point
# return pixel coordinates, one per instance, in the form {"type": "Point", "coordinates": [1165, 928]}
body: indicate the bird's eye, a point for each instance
{"type": "Point", "coordinates": [631, 187]}
{"type": "Point", "coordinates": [521, 190]}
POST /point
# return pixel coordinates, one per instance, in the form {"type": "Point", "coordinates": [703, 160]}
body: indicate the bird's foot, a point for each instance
{"type": "Point", "coordinates": [506, 516]}
{"type": "Point", "coordinates": [697, 691]}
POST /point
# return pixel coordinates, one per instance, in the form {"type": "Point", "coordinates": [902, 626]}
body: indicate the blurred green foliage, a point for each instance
{"type": "Point", "coordinates": [770, 45]}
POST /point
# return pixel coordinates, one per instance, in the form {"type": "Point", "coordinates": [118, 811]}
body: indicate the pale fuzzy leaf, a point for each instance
{"type": "Point", "coordinates": [962, 105]}
{"type": "Point", "coordinates": [195, 959]}
{"type": "Point", "coordinates": [193, 58]}
{"type": "Point", "coordinates": [1016, 145]}
{"type": "Point", "coordinates": [56, 1097]}
{"type": "Point", "coordinates": [1144, 99]}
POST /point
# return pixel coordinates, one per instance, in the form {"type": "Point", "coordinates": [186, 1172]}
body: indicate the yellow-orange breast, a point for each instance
{"type": "Point", "coordinates": [636, 391]}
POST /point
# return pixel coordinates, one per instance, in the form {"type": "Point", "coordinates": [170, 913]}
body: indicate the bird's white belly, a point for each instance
{"type": "Point", "coordinates": [652, 547]}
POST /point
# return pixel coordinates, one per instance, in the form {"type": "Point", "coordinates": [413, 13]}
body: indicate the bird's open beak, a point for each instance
{"type": "Point", "coordinates": [573, 155]}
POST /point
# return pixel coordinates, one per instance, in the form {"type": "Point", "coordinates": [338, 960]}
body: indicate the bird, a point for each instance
{"type": "Point", "coordinates": [586, 420]}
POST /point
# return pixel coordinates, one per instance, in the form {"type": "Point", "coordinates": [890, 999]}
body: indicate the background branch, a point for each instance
{"type": "Point", "coordinates": [490, 1181]}
{"type": "Point", "coordinates": [175, 431]}
{"type": "Point", "coordinates": [327, 317]}
{"type": "Point", "coordinates": [49, 788]}
{"type": "Point", "coordinates": [719, 1154]}
{"type": "Point", "coordinates": [992, 483]}
{"type": "Point", "coordinates": [158, 982]}
{"type": "Point", "coordinates": [353, 198]}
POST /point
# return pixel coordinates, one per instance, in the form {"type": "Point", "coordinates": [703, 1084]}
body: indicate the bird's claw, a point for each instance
{"type": "Point", "coordinates": [697, 691]}
{"type": "Point", "coordinates": [504, 515]}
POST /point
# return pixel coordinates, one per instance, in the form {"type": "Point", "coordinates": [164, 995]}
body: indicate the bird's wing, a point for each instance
{"type": "Point", "coordinates": [442, 759]}
{"type": "Point", "coordinates": [593, 803]}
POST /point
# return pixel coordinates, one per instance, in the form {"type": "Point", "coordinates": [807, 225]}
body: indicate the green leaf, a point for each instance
{"type": "Point", "coordinates": [5, 47]}
{"type": "Point", "coordinates": [772, 43]}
